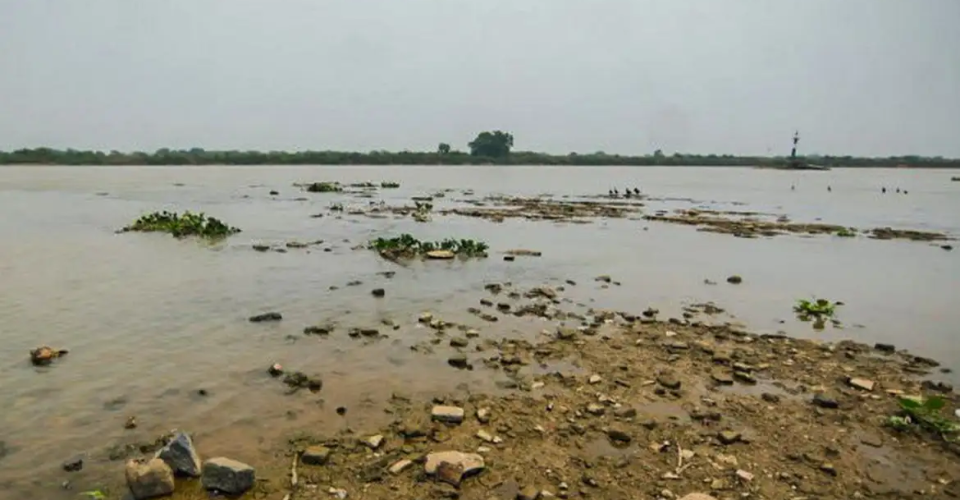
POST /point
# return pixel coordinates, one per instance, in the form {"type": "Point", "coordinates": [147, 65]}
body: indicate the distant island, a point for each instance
{"type": "Point", "coordinates": [488, 148]}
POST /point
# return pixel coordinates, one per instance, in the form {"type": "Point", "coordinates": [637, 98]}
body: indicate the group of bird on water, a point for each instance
{"type": "Point", "coordinates": [883, 190]}
{"type": "Point", "coordinates": [626, 192]}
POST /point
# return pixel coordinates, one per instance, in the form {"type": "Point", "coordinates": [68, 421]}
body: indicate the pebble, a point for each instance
{"type": "Point", "coordinates": [315, 455]}
{"type": "Point", "coordinates": [448, 414]}
{"type": "Point", "coordinates": [722, 378]}
{"type": "Point", "coordinates": [270, 316]}
{"type": "Point", "coordinates": [529, 493]}
{"type": "Point", "coordinates": [275, 370]}
{"type": "Point", "coordinates": [861, 383]}
{"type": "Point", "coordinates": [459, 342]}
{"type": "Point", "coordinates": [374, 442]}
{"type": "Point", "coordinates": [378, 292]}
{"type": "Point", "coordinates": [824, 401]}
{"type": "Point", "coordinates": [770, 398]}
{"type": "Point", "coordinates": [744, 475]}
{"type": "Point", "coordinates": [669, 380]}
{"type": "Point", "coordinates": [425, 317]}
{"type": "Point", "coordinates": [483, 415]}
{"type": "Point", "coordinates": [729, 436]}
{"type": "Point", "coordinates": [452, 466]}
{"type": "Point", "coordinates": [487, 437]}
{"type": "Point", "coordinates": [400, 466]}
{"type": "Point", "coordinates": [595, 409]}
{"type": "Point", "coordinates": [745, 377]}
{"type": "Point", "coordinates": [459, 361]}
{"type": "Point", "coordinates": [595, 379]}
{"type": "Point", "coordinates": [619, 436]}
{"type": "Point", "coordinates": [734, 280]}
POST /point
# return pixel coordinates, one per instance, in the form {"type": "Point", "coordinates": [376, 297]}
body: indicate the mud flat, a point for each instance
{"type": "Point", "coordinates": [612, 404]}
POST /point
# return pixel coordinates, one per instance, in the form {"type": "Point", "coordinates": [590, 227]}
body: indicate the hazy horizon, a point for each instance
{"type": "Point", "coordinates": [859, 77]}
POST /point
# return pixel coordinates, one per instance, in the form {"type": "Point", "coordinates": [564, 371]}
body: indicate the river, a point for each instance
{"type": "Point", "coordinates": [151, 320]}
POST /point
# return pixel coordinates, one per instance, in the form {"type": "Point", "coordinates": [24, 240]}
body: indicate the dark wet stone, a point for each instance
{"type": "Point", "coordinates": [261, 248]}
{"type": "Point", "coordinates": [825, 401]}
{"type": "Point", "coordinates": [227, 476]}
{"type": "Point", "coordinates": [745, 377]}
{"type": "Point", "coordinates": [74, 464]}
{"type": "Point", "coordinates": [459, 342]}
{"type": "Point", "coordinates": [274, 193]}
{"type": "Point", "coordinates": [734, 280]}
{"type": "Point", "coordinates": [317, 330]}
{"type": "Point", "coordinates": [378, 292]}
{"type": "Point", "coordinates": [619, 436]}
{"type": "Point", "coordinates": [181, 456]}
{"type": "Point", "coordinates": [202, 392]}
{"type": "Point", "coordinates": [722, 378]}
{"type": "Point", "coordinates": [509, 258]}
{"type": "Point", "coordinates": [341, 410]}
{"type": "Point", "coordinates": [270, 316]}
{"type": "Point", "coordinates": [937, 386]}
{"type": "Point", "coordinates": [888, 348]}
{"type": "Point", "coordinates": [275, 370]}
{"type": "Point", "coordinates": [459, 361]}
{"type": "Point", "coordinates": [770, 398]}
{"type": "Point", "coordinates": [299, 380]}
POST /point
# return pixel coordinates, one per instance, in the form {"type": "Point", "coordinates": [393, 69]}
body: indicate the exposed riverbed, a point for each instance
{"type": "Point", "coordinates": [151, 320]}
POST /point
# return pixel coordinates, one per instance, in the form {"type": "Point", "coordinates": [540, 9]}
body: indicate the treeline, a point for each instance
{"type": "Point", "coordinates": [443, 156]}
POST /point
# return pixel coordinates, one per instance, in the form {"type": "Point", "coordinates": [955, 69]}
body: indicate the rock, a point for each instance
{"type": "Point", "coordinates": [744, 475]}
{"type": "Point", "coordinates": [509, 258]}
{"type": "Point", "coordinates": [829, 469]}
{"type": "Point", "coordinates": [734, 280]}
{"type": "Point", "coordinates": [565, 333]}
{"type": "Point", "coordinates": [227, 476]}
{"type": "Point", "coordinates": [625, 412]}
{"type": "Point", "coordinates": [595, 409]}
{"type": "Point", "coordinates": [541, 291]}
{"type": "Point", "coordinates": [888, 348]}
{"type": "Point", "coordinates": [861, 383]}
{"type": "Point", "coordinates": [73, 465]}
{"type": "Point", "coordinates": [400, 466]}
{"type": "Point", "coordinates": [270, 316]}
{"type": "Point", "coordinates": [318, 330]}
{"type": "Point", "coordinates": [440, 255]}
{"type": "Point", "coordinates": [493, 288]}
{"type": "Point", "coordinates": [315, 455]}
{"type": "Point", "coordinates": [181, 456]}
{"type": "Point", "coordinates": [729, 436]}
{"type": "Point", "coordinates": [745, 377]}
{"type": "Point", "coordinates": [936, 386]}
{"type": "Point", "coordinates": [595, 379]}
{"type": "Point", "coordinates": [698, 496]}
{"type": "Point", "coordinates": [825, 401]}
{"type": "Point", "coordinates": [378, 292]}
{"type": "Point", "coordinates": [722, 378]}
{"type": "Point", "coordinates": [275, 370]}
{"type": "Point", "coordinates": [453, 466]}
{"type": "Point", "coordinates": [770, 398]}
{"type": "Point", "coordinates": [373, 442]}
{"type": "Point", "coordinates": [619, 436]}
{"type": "Point", "coordinates": [149, 479]}
{"type": "Point", "coordinates": [487, 437]}
{"type": "Point", "coordinates": [603, 278]}
{"type": "Point", "coordinates": [483, 415]}
{"type": "Point", "coordinates": [529, 493]}
{"type": "Point", "coordinates": [871, 439]}
{"type": "Point", "coordinates": [459, 342]}
{"type": "Point", "coordinates": [459, 361]}
{"type": "Point", "coordinates": [447, 414]}
{"type": "Point", "coordinates": [299, 380]}
{"type": "Point", "coordinates": [261, 248]}
{"type": "Point", "coordinates": [668, 380]}
{"type": "Point", "coordinates": [45, 355]}
{"type": "Point", "coordinates": [131, 422]}
{"type": "Point", "coordinates": [425, 317]}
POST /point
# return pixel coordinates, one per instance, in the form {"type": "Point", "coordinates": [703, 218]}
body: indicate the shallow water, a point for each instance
{"type": "Point", "coordinates": [150, 320]}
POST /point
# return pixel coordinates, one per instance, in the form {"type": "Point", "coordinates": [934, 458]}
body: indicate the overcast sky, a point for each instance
{"type": "Point", "coordinates": [862, 77]}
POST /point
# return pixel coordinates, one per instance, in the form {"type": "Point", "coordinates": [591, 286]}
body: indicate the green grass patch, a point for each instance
{"type": "Point", "coordinates": [925, 414]}
{"type": "Point", "coordinates": [406, 246]}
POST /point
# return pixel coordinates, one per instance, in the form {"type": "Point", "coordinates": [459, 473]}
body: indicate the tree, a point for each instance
{"type": "Point", "coordinates": [443, 148]}
{"type": "Point", "coordinates": [495, 144]}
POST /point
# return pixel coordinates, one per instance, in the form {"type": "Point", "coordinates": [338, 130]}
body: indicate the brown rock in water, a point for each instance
{"type": "Point", "coordinates": [45, 355]}
{"type": "Point", "coordinates": [149, 479]}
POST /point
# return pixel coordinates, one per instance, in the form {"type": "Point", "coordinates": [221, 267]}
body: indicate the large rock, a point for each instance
{"type": "Point", "coordinates": [448, 414]}
{"type": "Point", "coordinates": [149, 479]}
{"type": "Point", "coordinates": [181, 456]}
{"type": "Point", "coordinates": [45, 355]}
{"type": "Point", "coordinates": [453, 466]}
{"type": "Point", "coordinates": [227, 476]}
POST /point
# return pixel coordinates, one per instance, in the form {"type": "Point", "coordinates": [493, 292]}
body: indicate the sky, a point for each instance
{"type": "Point", "coordinates": [858, 77]}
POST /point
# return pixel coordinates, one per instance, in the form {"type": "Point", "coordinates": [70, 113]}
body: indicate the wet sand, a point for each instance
{"type": "Point", "coordinates": [151, 320]}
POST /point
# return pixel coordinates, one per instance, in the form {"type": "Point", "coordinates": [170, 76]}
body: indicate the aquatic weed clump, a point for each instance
{"type": "Point", "coordinates": [324, 187]}
{"type": "Point", "coordinates": [181, 226]}
{"type": "Point", "coordinates": [389, 185]}
{"type": "Point", "coordinates": [406, 246]}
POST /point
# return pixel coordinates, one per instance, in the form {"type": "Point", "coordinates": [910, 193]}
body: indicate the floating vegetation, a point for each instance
{"type": "Point", "coordinates": [924, 413]}
{"type": "Point", "coordinates": [846, 232]}
{"type": "Point", "coordinates": [389, 185]}
{"type": "Point", "coordinates": [406, 246]}
{"type": "Point", "coordinates": [422, 211]}
{"type": "Point", "coordinates": [324, 187]}
{"type": "Point", "coordinates": [94, 495]}
{"type": "Point", "coordinates": [181, 226]}
{"type": "Point", "coordinates": [816, 308]}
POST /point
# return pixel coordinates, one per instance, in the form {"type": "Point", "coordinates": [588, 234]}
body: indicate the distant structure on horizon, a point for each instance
{"type": "Point", "coordinates": [796, 164]}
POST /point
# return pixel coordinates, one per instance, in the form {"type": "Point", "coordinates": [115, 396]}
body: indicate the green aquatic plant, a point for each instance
{"type": "Point", "coordinates": [407, 246]}
{"type": "Point", "coordinates": [181, 226]}
{"type": "Point", "coordinates": [816, 308]}
{"type": "Point", "coordinates": [389, 185]}
{"type": "Point", "coordinates": [94, 495]}
{"type": "Point", "coordinates": [324, 187]}
{"type": "Point", "coordinates": [846, 232]}
{"type": "Point", "coordinates": [925, 413]}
